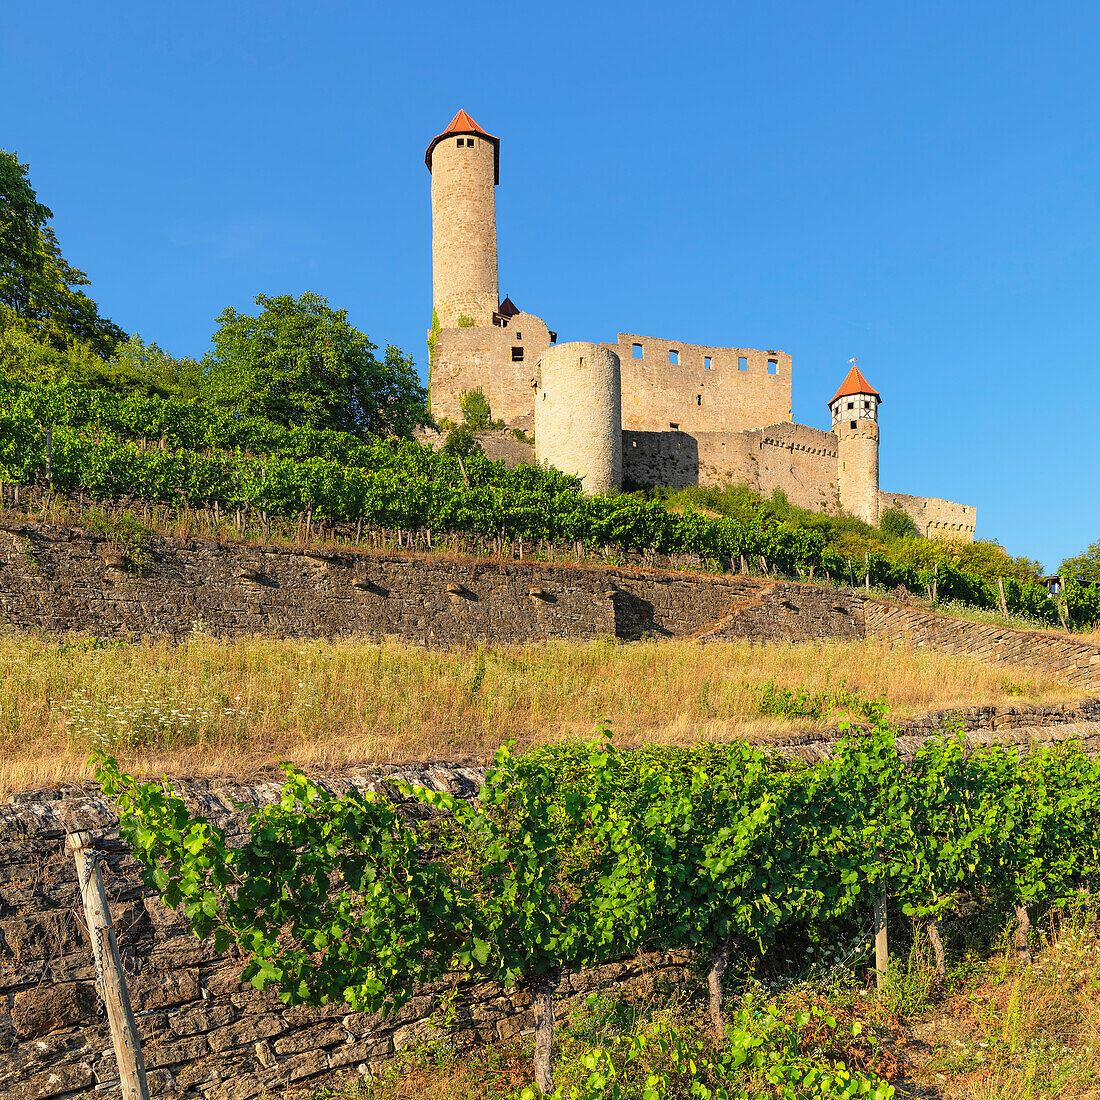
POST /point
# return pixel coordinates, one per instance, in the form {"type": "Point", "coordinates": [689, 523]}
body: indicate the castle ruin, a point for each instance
{"type": "Point", "coordinates": [642, 411]}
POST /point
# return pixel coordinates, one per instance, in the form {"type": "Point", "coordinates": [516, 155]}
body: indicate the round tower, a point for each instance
{"type": "Point", "coordinates": [465, 165]}
{"type": "Point", "coordinates": [855, 422]}
{"type": "Point", "coordinates": [578, 414]}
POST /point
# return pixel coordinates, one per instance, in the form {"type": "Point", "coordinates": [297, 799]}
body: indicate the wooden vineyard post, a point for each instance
{"type": "Point", "coordinates": [1001, 593]}
{"type": "Point", "coordinates": [109, 973]}
{"type": "Point", "coordinates": [882, 954]}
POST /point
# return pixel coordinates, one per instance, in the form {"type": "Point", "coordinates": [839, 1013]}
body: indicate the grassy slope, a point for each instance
{"type": "Point", "coordinates": [222, 708]}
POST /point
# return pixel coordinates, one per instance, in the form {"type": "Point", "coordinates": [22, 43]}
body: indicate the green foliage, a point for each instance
{"type": "Point", "coordinates": [37, 285]}
{"type": "Point", "coordinates": [466, 322]}
{"type": "Point", "coordinates": [461, 441]}
{"type": "Point", "coordinates": [664, 1058]}
{"type": "Point", "coordinates": [299, 363]}
{"type": "Point", "coordinates": [896, 525]}
{"type": "Point", "coordinates": [433, 336]}
{"type": "Point", "coordinates": [476, 413]}
{"type": "Point", "coordinates": [1084, 566]}
{"type": "Point", "coordinates": [574, 854]}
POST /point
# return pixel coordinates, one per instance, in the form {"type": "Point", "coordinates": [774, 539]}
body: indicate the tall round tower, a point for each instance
{"type": "Point", "coordinates": [578, 414]}
{"type": "Point", "coordinates": [855, 423]}
{"type": "Point", "coordinates": [465, 165]}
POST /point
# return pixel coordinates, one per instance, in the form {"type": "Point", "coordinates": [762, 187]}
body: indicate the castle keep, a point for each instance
{"type": "Point", "coordinates": [640, 411]}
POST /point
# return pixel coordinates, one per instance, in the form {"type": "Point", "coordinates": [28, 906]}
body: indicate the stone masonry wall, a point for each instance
{"type": "Point", "coordinates": [59, 579]}
{"type": "Point", "coordinates": [935, 518]}
{"type": "Point", "coordinates": [658, 393]}
{"type": "Point", "coordinates": [1061, 656]}
{"type": "Point", "coordinates": [799, 460]}
{"type": "Point", "coordinates": [485, 357]}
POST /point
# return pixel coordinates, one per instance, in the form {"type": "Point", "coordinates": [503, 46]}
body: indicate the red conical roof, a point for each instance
{"type": "Point", "coordinates": [463, 124]}
{"type": "Point", "coordinates": [855, 383]}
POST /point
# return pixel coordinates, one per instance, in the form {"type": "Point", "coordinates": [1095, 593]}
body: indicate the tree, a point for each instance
{"type": "Point", "coordinates": [37, 284]}
{"type": "Point", "coordinates": [897, 525]}
{"type": "Point", "coordinates": [299, 362]}
{"type": "Point", "coordinates": [1084, 566]}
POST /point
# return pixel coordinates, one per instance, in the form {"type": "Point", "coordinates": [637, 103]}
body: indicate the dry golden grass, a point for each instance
{"type": "Point", "coordinates": [209, 707]}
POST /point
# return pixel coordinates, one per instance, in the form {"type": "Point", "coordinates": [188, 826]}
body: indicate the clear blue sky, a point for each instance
{"type": "Point", "coordinates": [913, 184]}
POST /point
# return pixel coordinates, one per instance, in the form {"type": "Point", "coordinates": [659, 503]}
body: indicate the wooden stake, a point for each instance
{"type": "Point", "coordinates": [882, 954]}
{"type": "Point", "coordinates": [111, 977]}
{"type": "Point", "coordinates": [1001, 590]}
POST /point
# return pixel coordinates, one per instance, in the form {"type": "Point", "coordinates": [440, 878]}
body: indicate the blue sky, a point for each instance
{"type": "Point", "coordinates": [916, 185]}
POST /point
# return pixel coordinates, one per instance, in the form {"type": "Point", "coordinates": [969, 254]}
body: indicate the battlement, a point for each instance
{"type": "Point", "coordinates": [671, 385]}
{"type": "Point", "coordinates": [935, 518]}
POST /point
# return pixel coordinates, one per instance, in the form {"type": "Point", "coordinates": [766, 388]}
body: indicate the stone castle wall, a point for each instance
{"type": "Point", "coordinates": [935, 519]}
{"type": "Point", "coordinates": [498, 359]}
{"type": "Point", "coordinates": [658, 393]}
{"type": "Point", "coordinates": [799, 460]}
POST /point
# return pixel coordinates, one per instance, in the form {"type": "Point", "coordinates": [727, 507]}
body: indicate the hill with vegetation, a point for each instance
{"type": "Point", "coordinates": [292, 414]}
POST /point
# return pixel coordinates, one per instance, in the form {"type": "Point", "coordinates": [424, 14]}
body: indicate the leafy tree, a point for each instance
{"type": "Point", "coordinates": [298, 362]}
{"type": "Point", "coordinates": [37, 284]}
{"type": "Point", "coordinates": [896, 524]}
{"type": "Point", "coordinates": [1084, 566]}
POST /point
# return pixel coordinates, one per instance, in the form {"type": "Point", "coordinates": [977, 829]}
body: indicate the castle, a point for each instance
{"type": "Point", "coordinates": [642, 411]}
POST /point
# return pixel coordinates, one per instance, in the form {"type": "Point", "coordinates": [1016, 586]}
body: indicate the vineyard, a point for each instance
{"type": "Point", "coordinates": [187, 455]}
{"type": "Point", "coordinates": [576, 854]}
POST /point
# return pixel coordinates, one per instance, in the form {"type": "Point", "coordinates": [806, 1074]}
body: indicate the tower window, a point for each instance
{"type": "Point", "coordinates": [519, 335]}
{"type": "Point", "coordinates": [866, 404]}
{"type": "Point", "coordinates": [675, 427]}
{"type": "Point", "coordinates": [773, 367]}
{"type": "Point", "coordinates": [637, 350]}
{"type": "Point", "coordinates": [852, 425]}
{"type": "Point", "coordinates": [706, 362]}
{"type": "Point", "coordinates": [517, 355]}
{"type": "Point", "coordinates": [673, 357]}
{"type": "Point", "coordinates": [742, 363]}
{"type": "Point", "coordinates": [851, 404]}
{"type": "Point", "coordinates": [698, 399]}
{"type": "Point", "coordinates": [460, 142]}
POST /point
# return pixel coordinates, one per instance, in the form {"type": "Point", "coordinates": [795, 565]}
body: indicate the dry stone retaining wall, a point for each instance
{"type": "Point", "coordinates": [57, 579]}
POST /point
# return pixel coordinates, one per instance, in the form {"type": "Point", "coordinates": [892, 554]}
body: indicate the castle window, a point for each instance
{"type": "Point", "coordinates": [675, 427]}
{"type": "Point", "coordinates": [773, 367]}
{"type": "Point", "coordinates": [519, 335]}
{"type": "Point", "coordinates": [742, 363]}
{"type": "Point", "coordinates": [637, 349]}
{"type": "Point", "coordinates": [866, 404]}
{"type": "Point", "coordinates": [853, 424]}
{"type": "Point", "coordinates": [460, 142]}
{"type": "Point", "coordinates": [851, 404]}
{"type": "Point", "coordinates": [706, 362]}
{"type": "Point", "coordinates": [673, 358]}
{"type": "Point", "coordinates": [698, 399]}
{"type": "Point", "coordinates": [517, 355]}
{"type": "Point", "coordinates": [634, 443]}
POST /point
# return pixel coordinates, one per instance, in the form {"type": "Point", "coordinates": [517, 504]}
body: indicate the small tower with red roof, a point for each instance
{"type": "Point", "coordinates": [854, 408]}
{"type": "Point", "coordinates": [465, 165]}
